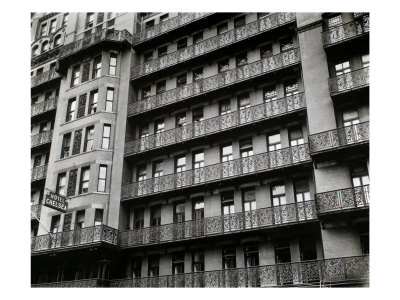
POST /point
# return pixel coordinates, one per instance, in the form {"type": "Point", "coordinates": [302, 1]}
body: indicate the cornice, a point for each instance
{"type": "Point", "coordinates": [48, 16]}
{"type": "Point", "coordinates": [309, 26]}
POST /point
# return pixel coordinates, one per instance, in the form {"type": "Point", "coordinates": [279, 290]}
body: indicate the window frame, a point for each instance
{"type": "Point", "coordinates": [102, 180]}
{"type": "Point", "coordinates": [106, 138]}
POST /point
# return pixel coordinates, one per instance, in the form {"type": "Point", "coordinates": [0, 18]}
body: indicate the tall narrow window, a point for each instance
{"type": "Point", "coordinates": [93, 102]}
{"type": "Point", "coordinates": [155, 215]}
{"type": "Point", "coordinates": [198, 74]}
{"type": "Point", "coordinates": [180, 119]}
{"type": "Point", "coordinates": [141, 173]}
{"type": "Point", "coordinates": [178, 263]}
{"type": "Point", "coordinates": [153, 266]}
{"type": "Point", "coordinates": [282, 252]}
{"type": "Point", "coordinates": [157, 169]}
{"type": "Point", "coordinates": [148, 56]}
{"type": "Point", "coordinates": [246, 148]}
{"type": "Point", "coordinates": [96, 67]}
{"type": "Point", "coordinates": [350, 117]}
{"type": "Point", "coordinates": [179, 213]}
{"type": "Point", "coordinates": [84, 183]}
{"type": "Point", "coordinates": [266, 51]}
{"type": "Point", "coordinates": [45, 46]}
{"type": "Point", "coordinates": [229, 258]}
{"type": "Point", "coordinates": [227, 203]}
{"type": "Point", "coordinates": [61, 183]}
{"type": "Point", "coordinates": [89, 139]}
{"type": "Point", "coordinates": [223, 66]}
{"type": "Point", "coordinates": [359, 174]}
{"type": "Point", "coordinates": [249, 200]}
{"type": "Point", "coordinates": [57, 40]}
{"type": "Point", "coordinates": [244, 101]}
{"type": "Point", "coordinates": [113, 64]}
{"type": "Point", "coordinates": [269, 94]}
{"type": "Point", "coordinates": [222, 28]}
{"type": "Point", "coordinates": [198, 115]}
{"type": "Point", "coordinates": [53, 24]}
{"type": "Point", "coordinates": [146, 92]}
{"type": "Point", "coordinates": [302, 190]}
{"type": "Point", "coordinates": [198, 37]}
{"type": "Point", "coordinates": [198, 208]}
{"type": "Point", "coordinates": [226, 153]}
{"type": "Point", "coordinates": [296, 137]}
{"type": "Point", "coordinates": [109, 99]}
{"type": "Point", "coordinates": [251, 257]}
{"type": "Point", "coordinates": [55, 224]}
{"type": "Point", "coordinates": [101, 185]}
{"type": "Point", "coordinates": [105, 144]}
{"type": "Point", "coordinates": [291, 88]}
{"type": "Point", "coordinates": [159, 126]}
{"type": "Point", "coordinates": [180, 164]}
{"type": "Point", "coordinates": [137, 267]}
{"type": "Point", "coordinates": [224, 107]}
{"type": "Point", "coordinates": [89, 20]}
{"type": "Point", "coordinates": [72, 182]}
{"type": "Point", "coordinates": [98, 216]}
{"type": "Point", "coordinates": [286, 44]}
{"type": "Point", "coordinates": [65, 20]}
{"type": "Point", "coordinates": [182, 43]}
{"type": "Point", "coordinates": [76, 147]}
{"type": "Point", "coordinates": [43, 29]}
{"type": "Point", "coordinates": [274, 142]}
{"type": "Point", "coordinates": [162, 51]}
{"type": "Point", "coordinates": [160, 87]}
{"type": "Point", "coordinates": [138, 215]}
{"type": "Point", "coordinates": [76, 73]}
{"type": "Point", "coordinates": [198, 161]}
{"type": "Point", "coordinates": [35, 50]}
{"type": "Point", "coordinates": [241, 59]}
{"type": "Point", "coordinates": [80, 219]}
{"type": "Point", "coordinates": [278, 195]}
{"type": "Point", "coordinates": [198, 261]}
{"type": "Point", "coordinates": [37, 161]}
{"type": "Point", "coordinates": [365, 60]}
{"type": "Point", "coordinates": [181, 80]}
{"type": "Point", "coordinates": [66, 145]}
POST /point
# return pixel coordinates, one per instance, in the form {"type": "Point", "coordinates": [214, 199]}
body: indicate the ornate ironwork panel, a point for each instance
{"type": "Point", "coordinates": [43, 78]}
{"type": "Point", "coordinates": [349, 81]}
{"type": "Point", "coordinates": [39, 172]}
{"type": "Point", "coordinates": [72, 182]}
{"type": "Point", "coordinates": [76, 148]}
{"type": "Point", "coordinates": [45, 106]}
{"type": "Point", "coordinates": [346, 31]}
{"type": "Point", "coordinates": [41, 138]}
{"type": "Point", "coordinates": [81, 106]}
{"type": "Point", "coordinates": [85, 71]}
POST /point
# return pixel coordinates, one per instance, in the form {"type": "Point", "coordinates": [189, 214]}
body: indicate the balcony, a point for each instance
{"type": "Point", "coordinates": [329, 272]}
{"type": "Point", "coordinates": [41, 138]}
{"type": "Point", "coordinates": [75, 238]}
{"type": "Point", "coordinates": [44, 78]}
{"type": "Point", "coordinates": [346, 32]}
{"type": "Point", "coordinates": [105, 35]}
{"type": "Point", "coordinates": [258, 219]}
{"type": "Point", "coordinates": [38, 173]}
{"type": "Point", "coordinates": [220, 41]}
{"type": "Point", "coordinates": [343, 200]}
{"type": "Point", "coordinates": [254, 114]}
{"type": "Point", "coordinates": [216, 173]}
{"type": "Point", "coordinates": [216, 82]}
{"type": "Point", "coordinates": [43, 107]}
{"type": "Point", "coordinates": [35, 211]}
{"type": "Point", "coordinates": [83, 283]}
{"type": "Point", "coordinates": [45, 57]}
{"type": "Point", "coordinates": [351, 81]}
{"type": "Point", "coordinates": [343, 137]}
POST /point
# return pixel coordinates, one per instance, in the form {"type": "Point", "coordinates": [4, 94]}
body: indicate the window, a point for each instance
{"type": "Point", "coordinates": [164, 18]}
{"type": "Point", "coordinates": [246, 148]}
{"type": "Point", "coordinates": [198, 74]}
{"type": "Point", "coordinates": [335, 21]}
{"type": "Point", "coordinates": [37, 161]}
{"type": "Point", "coordinates": [149, 24]}
{"type": "Point", "coordinates": [146, 92]}
{"type": "Point", "coordinates": [66, 145]}
{"type": "Point", "coordinates": [71, 110]}
{"type": "Point", "coordinates": [266, 51]}
{"type": "Point", "coordinates": [198, 115]}
{"type": "Point", "coordinates": [45, 46]}
{"type": "Point", "coordinates": [57, 40]}
{"type": "Point", "coordinates": [159, 126]}
{"type": "Point", "coordinates": [239, 21]}
{"type": "Point", "coordinates": [39, 71]}
{"type": "Point", "coordinates": [100, 17]}
{"type": "Point", "coordinates": [138, 215]}
{"type": "Point", "coordinates": [198, 208]}
{"type": "Point", "coordinates": [274, 142]}
{"type": "Point", "coordinates": [269, 94]}
{"type": "Point", "coordinates": [198, 261]}
{"type": "Point", "coordinates": [278, 195]}
{"type": "Point", "coordinates": [34, 100]}
{"type": "Point", "coordinates": [137, 267]}
{"type": "Point", "coordinates": [65, 20]}
{"type": "Point", "coordinates": [84, 184]}
{"type": "Point", "coordinates": [222, 28]}
{"type": "Point", "coordinates": [141, 173]}
{"type": "Point", "coordinates": [89, 139]}
{"type": "Point", "coordinates": [53, 24]}
{"type": "Point", "coordinates": [251, 257]}
{"type": "Point", "coordinates": [144, 131]}
{"type": "Point", "coordinates": [244, 101]}
{"type": "Point", "coordinates": [109, 99]}
{"type": "Point", "coordinates": [342, 68]}
{"type": "Point", "coordinates": [224, 107]}
{"type": "Point", "coordinates": [227, 203]}
{"type": "Point", "coordinates": [181, 80]}
{"type": "Point", "coordinates": [47, 96]}
{"type": "Point", "coordinates": [182, 43]}
{"type": "Point", "coordinates": [359, 174]}
{"type": "Point", "coordinates": [180, 164]}
{"type": "Point", "coordinates": [93, 102]}
{"type": "Point", "coordinates": [364, 237]}
{"type": "Point", "coordinates": [223, 66]}
{"type": "Point", "coordinates": [286, 44]}
{"type": "Point", "coordinates": [98, 216]}
{"type": "Point", "coordinates": [282, 253]}
{"type": "Point", "coordinates": [43, 127]}
{"type": "Point", "coordinates": [43, 29]}
{"type": "Point", "coordinates": [97, 67]}
{"type": "Point", "coordinates": [291, 88]}
{"type": "Point", "coordinates": [80, 219]}
{"type": "Point", "coordinates": [76, 73]}
{"type": "Point", "coordinates": [302, 190]}
{"type": "Point", "coordinates": [198, 161]}
{"type": "Point", "coordinates": [178, 263]}
{"type": "Point", "coordinates": [160, 87]}
{"type": "Point", "coordinates": [350, 117]}
{"type": "Point", "coordinates": [101, 185]}
{"type": "Point", "coordinates": [226, 153]}
{"type": "Point", "coordinates": [155, 215]}
{"type": "Point", "coordinates": [154, 262]}
{"type": "Point", "coordinates": [228, 258]}
{"type": "Point", "coordinates": [365, 60]}
{"type": "Point", "coordinates": [113, 64]}
{"type": "Point", "coordinates": [296, 137]}
{"type": "Point", "coordinates": [198, 37]}
{"type": "Point", "coordinates": [148, 56]}
{"type": "Point", "coordinates": [162, 51]}
{"type": "Point", "coordinates": [61, 182]}
{"type": "Point", "coordinates": [241, 59]}
{"type": "Point", "coordinates": [35, 50]}
{"type": "Point", "coordinates": [157, 169]}
{"type": "Point", "coordinates": [179, 212]}
{"type": "Point", "coordinates": [55, 224]}
{"type": "Point", "coordinates": [105, 144]}
{"type": "Point", "coordinates": [89, 20]}
{"type": "Point", "coordinates": [180, 119]}
{"type": "Point", "coordinates": [249, 200]}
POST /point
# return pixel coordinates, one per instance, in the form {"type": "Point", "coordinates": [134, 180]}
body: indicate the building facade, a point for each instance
{"type": "Point", "coordinates": [200, 149]}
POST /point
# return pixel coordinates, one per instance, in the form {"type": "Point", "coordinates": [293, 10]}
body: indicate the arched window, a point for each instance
{"type": "Point", "coordinates": [35, 50]}
{"type": "Point", "coordinates": [45, 46]}
{"type": "Point", "coordinates": [57, 40]}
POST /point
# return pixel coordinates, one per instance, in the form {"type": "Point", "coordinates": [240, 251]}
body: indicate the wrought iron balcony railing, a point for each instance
{"type": "Point", "coordinates": [45, 106]}
{"type": "Point", "coordinates": [346, 31]}
{"type": "Point", "coordinates": [217, 124]}
{"type": "Point", "coordinates": [349, 81]}
{"type": "Point", "coordinates": [223, 224]}
{"type": "Point", "coordinates": [94, 38]}
{"type": "Point", "coordinates": [166, 26]}
{"type": "Point", "coordinates": [43, 78]}
{"type": "Point", "coordinates": [227, 78]}
{"type": "Point", "coordinates": [338, 200]}
{"type": "Point", "coordinates": [73, 238]}
{"type": "Point", "coordinates": [82, 283]}
{"type": "Point", "coordinates": [340, 137]}
{"type": "Point", "coordinates": [41, 138]}
{"type": "Point", "coordinates": [221, 171]}
{"type": "Point", "coordinates": [222, 40]}
{"type": "Point", "coordinates": [39, 172]}
{"type": "Point", "coordinates": [359, 14]}
{"type": "Point", "coordinates": [36, 209]}
{"type": "Point", "coordinates": [312, 272]}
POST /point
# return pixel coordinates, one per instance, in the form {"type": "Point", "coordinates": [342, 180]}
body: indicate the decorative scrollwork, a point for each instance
{"type": "Point", "coordinates": [349, 81]}
{"type": "Point", "coordinates": [346, 31]}
{"type": "Point", "coordinates": [41, 138]}
{"type": "Point", "coordinates": [43, 78]}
